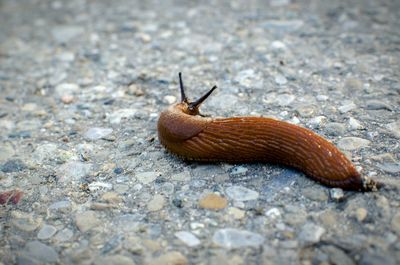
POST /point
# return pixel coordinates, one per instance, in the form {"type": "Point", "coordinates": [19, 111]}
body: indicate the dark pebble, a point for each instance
{"type": "Point", "coordinates": [178, 203]}
{"type": "Point", "coordinates": [14, 165]}
{"type": "Point", "coordinates": [118, 170]}
{"type": "Point", "coordinates": [20, 134]}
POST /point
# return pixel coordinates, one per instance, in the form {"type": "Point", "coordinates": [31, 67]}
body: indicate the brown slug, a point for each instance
{"type": "Point", "coordinates": [185, 132]}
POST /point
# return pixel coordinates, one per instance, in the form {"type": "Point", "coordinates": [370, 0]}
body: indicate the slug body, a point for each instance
{"type": "Point", "coordinates": [184, 132]}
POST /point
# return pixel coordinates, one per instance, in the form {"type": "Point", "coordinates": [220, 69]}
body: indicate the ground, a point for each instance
{"type": "Point", "coordinates": [84, 179]}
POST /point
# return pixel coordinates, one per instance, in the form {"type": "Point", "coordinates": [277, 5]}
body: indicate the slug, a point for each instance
{"type": "Point", "coordinates": [185, 132]}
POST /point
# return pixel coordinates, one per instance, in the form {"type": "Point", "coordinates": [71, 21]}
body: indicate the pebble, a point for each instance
{"type": "Point", "coordinates": [111, 197]}
{"type": "Point", "coordinates": [188, 238]}
{"type": "Point", "coordinates": [147, 177]}
{"type": "Point", "coordinates": [247, 77]}
{"type": "Point", "coordinates": [317, 122]}
{"type": "Point", "coordinates": [65, 89]}
{"type": "Point", "coordinates": [311, 233]}
{"type": "Point", "coordinates": [169, 99]}
{"type": "Point", "coordinates": [355, 124]}
{"type": "Point", "coordinates": [40, 252]}
{"type": "Point", "coordinates": [156, 204]}
{"type": "Point", "coordinates": [65, 33]}
{"type": "Point", "coordinates": [347, 107]}
{"type": "Point", "coordinates": [352, 143]}
{"type": "Point", "coordinates": [67, 99]}
{"type": "Point", "coordinates": [378, 105]}
{"type": "Point", "coordinates": [238, 170]}
{"type": "Point", "coordinates": [97, 133]}
{"type": "Point", "coordinates": [45, 152]}
{"type": "Point", "coordinates": [282, 25]}
{"type": "Point", "coordinates": [278, 45]}
{"type": "Point", "coordinates": [26, 222]}
{"type": "Point", "coordinates": [395, 223]}
{"type": "Point", "coordinates": [6, 150]}
{"type": "Point", "coordinates": [170, 258]}
{"type": "Point", "coordinates": [236, 213]}
{"type": "Point", "coordinates": [13, 165]}
{"type": "Point", "coordinates": [240, 193]}
{"type": "Point", "coordinates": [11, 196]}
{"type": "Point", "coordinates": [46, 232]}
{"type": "Point", "coordinates": [213, 201]}
{"type": "Point", "coordinates": [273, 213]}
{"type": "Point", "coordinates": [183, 176]}
{"type": "Point", "coordinates": [284, 99]}
{"type": "Point", "coordinates": [315, 194]}
{"type": "Point", "coordinates": [361, 214]}
{"type": "Point", "coordinates": [335, 129]}
{"type": "Point", "coordinates": [114, 259]}
{"type": "Point", "coordinates": [336, 194]}
{"type": "Point", "coordinates": [117, 116]}
{"type": "Point", "coordinates": [280, 79]}
{"type": "Point", "coordinates": [64, 235]}
{"type": "Point", "coordinates": [73, 170]}
{"type": "Point", "coordinates": [60, 205]}
{"type": "Point", "coordinates": [337, 256]}
{"type": "Point", "coordinates": [87, 220]}
{"type": "Point", "coordinates": [394, 129]}
{"type": "Point", "coordinates": [232, 238]}
{"type": "Point", "coordinates": [305, 111]}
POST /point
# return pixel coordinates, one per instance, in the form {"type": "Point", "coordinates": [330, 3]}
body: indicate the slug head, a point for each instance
{"type": "Point", "coordinates": [192, 108]}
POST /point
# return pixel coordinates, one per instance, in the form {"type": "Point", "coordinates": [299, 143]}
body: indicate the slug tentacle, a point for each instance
{"type": "Point", "coordinates": [183, 131]}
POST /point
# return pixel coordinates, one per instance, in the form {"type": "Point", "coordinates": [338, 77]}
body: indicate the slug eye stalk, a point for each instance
{"type": "Point", "coordinates": [195, 104]}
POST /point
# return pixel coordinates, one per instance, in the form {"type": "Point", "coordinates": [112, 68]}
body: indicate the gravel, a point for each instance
{"type": "Point", "coordinates": [84, 179]}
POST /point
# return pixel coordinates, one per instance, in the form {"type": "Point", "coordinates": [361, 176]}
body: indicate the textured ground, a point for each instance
{"type": "Point", "coordinates": [82, 84]}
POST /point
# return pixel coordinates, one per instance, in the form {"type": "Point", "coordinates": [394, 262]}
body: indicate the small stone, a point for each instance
{"type": "Point", "coordinates": [170, 258]}
{"type": "Point", "coordinates": [311, 233]}
{"type": "Point", "coordinates": [240, 193]}
{"type": "Point", "coordinates": [13, 165]}
{"type": "Point", "coordinates": [73, 170]}
{"type": "Point", "coordinates": [234, 238]}
{"type": "Point", "coordinates": [236, 213]}
{"type": "Point", "coordinates": [111, 197]}
{"type": "Point", "coordinates": [45, 152]}
{"type": "Point", "coordinates": [133, 244]}
{"type": "Point", "coordinates": [6, 150]}
{"type": "Point", "coordinates": [67, 99]}
{"type": "Point", "coordinates": [188, 238]}
{"type": "Point", "coordinates": [348, 107]}
{"type": "Point", "coordinates": [394, 128]}
{"type": "Point", "coordinates": [86, 221]}
{"type": "Point", "coordinates": [117, 116]}
{"type": "Point", "coordinates": [156, 204]}
{"type": "Point", "coordinates": [336, 194]}
{"type": "Point", "coordinates": [306, 111]}
{"type": "Point", "coordinates": [182, 176]}
{"type": "Point", "coordinates": [322, 97]}
{"type": "Point", "coordinates": [315, 194]}
{"type": "Point", "coordinates": [27, 224]}
{"type": "Point", "coordinates": [97, 133]}
{"type": "Point", "coordinates": [213, 201]}
{"type": "Point", "coordinates": [65, 89]}
{"type": "Point", "coordinates": [134, 89]}
{"type": "Point", "coordinates": [147, 177]}
{"type": "Point", "coordinates": [355, 124]}
{"type": "Point", "coordinates": [64, 33]}
{"type": "Point", "coordinates": [284, 99]}
{"type": "Point", "coordinates": [337, 256]}
{"type": "Point", "coordinates": [41, 252]}
{"type": "Point", "coordinates": [46, 232]}
{"type": "Point", "coordinates": [361, 214]}
{"type": "Point", "coordinates": [238, 170]}
{"type": "Point", "coordinates": [280, 79]}
{"type": "Point", "coordinates": [114, 259]}
{"type": "Point", "coordinates": [273, 213]}
{"type": "Point", "coordinates": [378, 105]}
{"type": "Point", "coordinates": [317, 122]}
{"type": "Point", "coordinates": [64, 235]}
{"type": "Point", "coordinates": [60, 205]}
{"type": "Point", "coordinates": [395, 224]}
{"type": "Point", "coordinates": [352, 143]}
{"type": "Point", "coordinates": [169, 99]}
{"type": "Point", "coordinates": [278, 45]}
{"type": "Point", "coordinates": [335, 129]}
